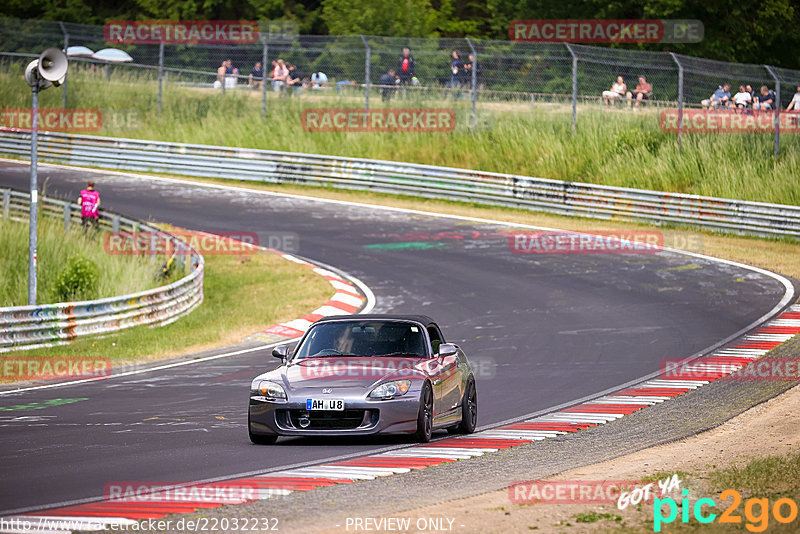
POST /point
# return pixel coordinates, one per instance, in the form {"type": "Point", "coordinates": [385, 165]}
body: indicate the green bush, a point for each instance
{"type": "Point", "coordinates": [77, 280]}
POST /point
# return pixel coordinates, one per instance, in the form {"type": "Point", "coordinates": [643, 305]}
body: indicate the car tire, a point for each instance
{"type": "Point", "coordinates": [469, 409]}
{"type": "Point", "coordinates": [425, 416]}
{"type": "Point", "coordinates": [260, 439]}
{"type": "Point", "coordinates": [263, 439]}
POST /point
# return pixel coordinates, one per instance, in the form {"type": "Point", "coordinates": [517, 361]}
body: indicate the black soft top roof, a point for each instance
{"type": "Point", "coordinates": [423, 319]}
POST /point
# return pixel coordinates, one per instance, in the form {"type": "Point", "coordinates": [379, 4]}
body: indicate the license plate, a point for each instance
{"type": "Point", "coordinates": [336, 405]}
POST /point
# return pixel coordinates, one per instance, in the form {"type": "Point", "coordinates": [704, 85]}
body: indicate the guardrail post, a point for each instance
{"type": "Point", "coordinates": [66, 46]}
{"type": "Point", "coordinates": [160, 72]}
{"type": "Point", "coordinates": [67, 215]}
{"type": "Point", "coordinates": [179, 256]}
{"type": "Point", "coordinates": [264, 56]}
{"type": "Point", "coordinates": [574, 86]}
{"type": "Point", "coordinates": [777, 109]}
{"type": "Point", "coordinates": [368, 57]}
{"type": "Point", "coordinates": [474, 82]}
{"type": "Point", "coordinates": [115, 223]}
{"type": "Point", "coordinates": [680, 97]}
{"type": "Point", "coordinates": [6, 202]}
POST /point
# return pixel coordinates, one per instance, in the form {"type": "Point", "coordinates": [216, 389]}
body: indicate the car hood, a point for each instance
{"type": "Point", "coordinates": [351, 371]}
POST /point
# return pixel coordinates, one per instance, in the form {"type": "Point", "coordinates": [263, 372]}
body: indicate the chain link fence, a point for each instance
{"type": "Point", "coordinates": [487, 73]}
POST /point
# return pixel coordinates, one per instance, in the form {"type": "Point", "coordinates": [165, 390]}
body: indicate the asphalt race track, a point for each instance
{"type": "Point", "coordinates": [546, 329]}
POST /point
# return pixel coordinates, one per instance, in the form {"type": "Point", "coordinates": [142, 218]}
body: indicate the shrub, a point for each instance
{"type": "Point", "coordinates": [77, 280]}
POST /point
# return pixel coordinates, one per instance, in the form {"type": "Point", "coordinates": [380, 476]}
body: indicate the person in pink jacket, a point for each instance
{"type": "Point", "coordinates": [90, 203]}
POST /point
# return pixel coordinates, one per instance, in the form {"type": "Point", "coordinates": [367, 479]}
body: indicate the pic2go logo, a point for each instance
{"type": "Point", "coordinates": [756, 511]}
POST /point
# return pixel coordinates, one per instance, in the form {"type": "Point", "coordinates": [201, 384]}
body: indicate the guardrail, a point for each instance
{"type": "Point", "coordinates": [56, 324]}
{"type": "Point", "coordinates": [540, 194]}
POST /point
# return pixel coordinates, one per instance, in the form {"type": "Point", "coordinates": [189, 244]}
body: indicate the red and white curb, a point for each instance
{"type": "Point", "coordinates": [347, 300]}
{"type": "Point", "coordinates": [616, 405]}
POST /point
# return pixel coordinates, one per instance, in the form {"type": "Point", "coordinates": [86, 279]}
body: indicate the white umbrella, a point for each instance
{"type": "Point", "coordinates": [74, 51]}
{"type": "Point", "coordinates": [112, 55]}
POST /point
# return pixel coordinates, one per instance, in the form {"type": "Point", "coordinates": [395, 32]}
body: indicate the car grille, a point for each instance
{"type": "Point", "coordinates": [333, 420]}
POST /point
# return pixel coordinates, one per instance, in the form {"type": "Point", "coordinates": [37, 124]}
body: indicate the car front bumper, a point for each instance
{"type": "Point", "coordinates": [361, 417]}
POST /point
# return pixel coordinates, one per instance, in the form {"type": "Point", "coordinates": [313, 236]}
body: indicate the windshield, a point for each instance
{"type": "Point", "coordinates": [363, 338]}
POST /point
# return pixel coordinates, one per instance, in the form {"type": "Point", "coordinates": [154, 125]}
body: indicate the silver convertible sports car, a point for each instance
{"type": "Point", "coordinates": [365, 374]}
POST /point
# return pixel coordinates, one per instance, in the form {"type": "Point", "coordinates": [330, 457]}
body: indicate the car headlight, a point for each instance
{"type": "Point", "coordinates": [269, 389]}
{"type": "Point", "coordinates": [391, 389]}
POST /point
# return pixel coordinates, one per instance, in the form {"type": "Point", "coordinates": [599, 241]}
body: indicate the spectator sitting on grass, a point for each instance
{"type": "Point", "coordinates": [231, 73]}
{"type": "Point", "coordinates": [220, 76]}
{"type": "Point", "coordinates": [794, 105]}
{"type": "Point", "coordinates": [765, 100]}
{"type": "Point", "coordinates": [319, 80]}
{"type": "Point", "coordinates": [753, 94]}
{"type": "Point", "coordinates": [388, 82]}
{"type": "Point", "coordinates": [256, 78]}
{"type": "Point", "coordinates": [720, 97]}
{"type": "Point", "coordinates": [642, 92]}
{"type": "Point", "coordinates": [742, 99]}
{"type": "Point", "coordinates": [294, 79]}
{"type": "Point", "coordinates": [618, 90]}
{"type": "Point", "coordinates": [406, 67]}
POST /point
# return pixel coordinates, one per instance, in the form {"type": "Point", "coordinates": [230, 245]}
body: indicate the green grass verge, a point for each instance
{"type": "Point", "coordinates": [57, 248]}
{"type": "Point", "coordinates": [617, 147]}
{"type": "Point", "coordinates": [242, 295]}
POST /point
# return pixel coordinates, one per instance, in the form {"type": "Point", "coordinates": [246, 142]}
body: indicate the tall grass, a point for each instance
{"type": "Point", "coordinates": [117, 275]}
{"type": "Point", "coordinates": [617, 147]}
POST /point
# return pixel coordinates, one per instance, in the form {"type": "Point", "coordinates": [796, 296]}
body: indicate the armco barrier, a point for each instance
{"type": "Point", "coordinates": [54, 324]}
{"type": "Point", "coordinates": [554, 196]}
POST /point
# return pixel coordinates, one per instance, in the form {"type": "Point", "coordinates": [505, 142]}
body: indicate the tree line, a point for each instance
{"type": "Point", "coordinates": [754, 32]}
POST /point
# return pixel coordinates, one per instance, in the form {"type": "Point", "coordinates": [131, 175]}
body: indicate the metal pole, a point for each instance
{"type": "Point", "coordinates": [574, 87]}
{"type": "Point", "coordinates": [366, 73]}
{"type": "Point", "coordinates": [474, 82]}
{"type": "Point", "coordinates": [680, 98]}
{"type": "Point", "coordinates": [777, 109]}
{"type": "Point", "coordinates": [34, 198]}
{"type": "Point", "coordinates": [64, 85]}
{"type": "Point", "coordinates": [160, 72]}
{"type": "Point", "coordinates": [264, 57]}
{"type": "Point", "coordinates": [67, 215]}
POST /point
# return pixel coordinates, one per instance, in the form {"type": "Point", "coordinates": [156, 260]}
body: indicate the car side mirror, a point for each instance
{"type": "Point", "coordinates": [281, 352]}
{"type": "Point", "coordinates": [447, 349]}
